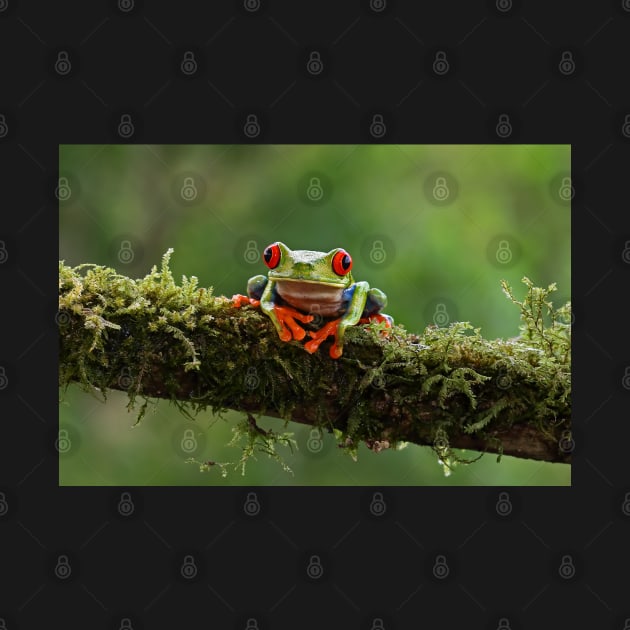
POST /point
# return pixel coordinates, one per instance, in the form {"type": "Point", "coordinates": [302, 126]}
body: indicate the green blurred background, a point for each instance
{"type": "Point", "coordinates": [435, 227]}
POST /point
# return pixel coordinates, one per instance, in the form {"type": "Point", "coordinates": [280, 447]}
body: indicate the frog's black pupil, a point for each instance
{"type": "Point", "coordinates": [268, 254]}
{"type": "Point", "coordinates": [345, 263]}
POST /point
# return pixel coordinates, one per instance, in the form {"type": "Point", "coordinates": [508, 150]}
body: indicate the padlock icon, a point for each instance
{"type": "Point", "coordinates": [125, 380]}
{"type": "Point", "coordinates": [251, 624]}
{"type": "Point", "coordinates": [625, 128]}
{"type": "Point", "coordinates": [440, 189]}
{"type": "Point", "coordinates": [62, 318]}
{"type": "Point", "coordinates": [63, 65]}
{"type": "Point", "coordinates": [504, 253]}
{"type": "Point", "coordinates": [566, 190]}
{"type": "Point", "coordinates": [569, 318]}
{"type": "Point", "coordinates": [251, 378]}
{"type": "Point", "coordinates": [251, 507]}
{"type": "Point", "coordinates": [4, 256]}
{"type": "Point", "coordinates": [125, 126]}
{"type": "Point", "coordinates": [440, 316]}
{"type": "Point", "coordinates": [314, 570]}
{"type": "Point", "coordinates": [504, 624]}
{"type": "Point", "coordinates": [315, 442]}
{"type": "Point", "coordinates": [377, 624]}
{"type": "Point", "coordinates": [504, 5]}
{"type": "Point", "coordinates": [63, 570]}
{"type": "Point", "coordinates": [4, 379]}
{"type": "Point", "coordinates": [378, 253]}
{"type": "Point", "coordinates": [504, 381]}
{"type": "Point", "coordinates": [567, 64]}
{"type": "Point", "coordinates": [251, 253]}
{"type": "Point", "coordinates": [189, 63]}
{"type": "Point", "coordinates": [566, 568]}
{"type": "Point", "coordinates": [566, 443]}
{"type": "Point", "coordinates": [251, 5]}
{"type": "Point", "coordinates": [440, 443]}
{"type": "Point", "coordinates": [314, 65]}
{"type": "Point", "coordinates": [378, 381]}
{"type": "Point", "coordinates": [188, 191]}
{"type": "Point", "coordinates": [126, 5]}
{"type": "Point", "coordinates": [125, 505]}
{"type": "Point", "coordinates": [315, 313]}
{"type": "Point", "coordinates": [125, 624]}
{"type": "Point", "coordinates": [4, 128]}
{"type": "Point", "coordinates": [63, 192]}
{"type": "Point", "coordinates": [625, 506]}
{"type": "Point", "coordinates": [440, 63]}
{"type": "Point", "coordinates": [625, 255]}
{"type": "Point", "coordinates": [377, 126]}
{"type": "Point", "coordinates": [188, 443]}
{"type": "Point", "coordinates": [504, 127]}
{"type": "Point", "coordinates": [252, 126]}
{"type": "Point", "coordinates": [625, 381]}
{"type": "Point", "coordinates": [315, 192]}
{"type": "Point", "coordinates": [440, 568]}
{"type": "Point", "coordinates": [63, 443]}
{"type": "Point", "coordinates": [378, 507]}
{"type": "Point", "coordinates": [126, 253]}
{"type": "Point", "coordinates": [504, 505]}
{"type": "Point", "coordinates": [4, 506]}
{"type": "Point", "coordinates": [188, 568]}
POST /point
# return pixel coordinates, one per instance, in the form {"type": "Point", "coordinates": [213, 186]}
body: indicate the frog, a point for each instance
{"type": "Point", "coordinates": [311, 288]}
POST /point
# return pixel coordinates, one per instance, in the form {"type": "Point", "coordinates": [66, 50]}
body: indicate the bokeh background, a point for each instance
{"type": "Point", "coordinates": [435, 227]}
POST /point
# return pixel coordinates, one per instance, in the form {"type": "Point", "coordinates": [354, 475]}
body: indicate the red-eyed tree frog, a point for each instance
{"type": "Point", "coordinates": [302, 286]}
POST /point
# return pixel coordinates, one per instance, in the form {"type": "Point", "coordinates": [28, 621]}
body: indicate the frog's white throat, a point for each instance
{"type": "Point", "coordinates": [311, 297]}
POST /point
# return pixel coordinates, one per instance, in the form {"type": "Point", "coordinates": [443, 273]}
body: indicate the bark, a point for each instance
{"type": "Point", "coordinates": [447, 388]}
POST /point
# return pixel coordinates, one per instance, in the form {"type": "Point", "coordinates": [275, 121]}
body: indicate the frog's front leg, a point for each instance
{"type": "Point", "coordinates": [283, 317]}
{"type": "Point", "coordinates": [337, 327]}
{"type": "Point", "coordinates": [351, 316]}
{"type": "Point", "coordinates": [255, 289]}
{"type": "Point", "coordinates": [376, 302]}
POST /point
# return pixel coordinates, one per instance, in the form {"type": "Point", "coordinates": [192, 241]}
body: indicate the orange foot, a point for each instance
{"type": "Point", "coordinates": [239, 300]}
{"type": "Point", "coordinates": [378, 319]}
{"type": "Point", "coordinates": [318, 336]}
{"type": "Point", "coordinates": [289, 327]}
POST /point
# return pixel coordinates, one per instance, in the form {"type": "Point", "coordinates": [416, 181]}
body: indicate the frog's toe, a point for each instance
{"type": "Point", "coordinates": [316, 340]}
{"type": "Point", "coordinates": [336, 351]}
{"type": "Point", "coordinates": [298, 332]}
{"type": "Point", "coordinates": [239, 300]}
{"type": "Point", "coordinates": [285, 334]}
{"type": "Point", "coordinates": [381, 317]}
{"type": "Point", "coordinates": [378, 318]}
{"type": "Point", "coordinates": [312, 345]}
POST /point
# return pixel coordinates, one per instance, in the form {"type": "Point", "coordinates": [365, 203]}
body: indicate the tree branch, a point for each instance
{"type": "Point", "coordinates": [448, 388]}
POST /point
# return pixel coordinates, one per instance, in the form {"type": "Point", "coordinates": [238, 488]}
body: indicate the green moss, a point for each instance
{"type": "Point", "coordinates": [252, 440]}
{"type": "Point", "coordinates": [153, 337]}
{"type": "Point", "coordinates": [452, 363]}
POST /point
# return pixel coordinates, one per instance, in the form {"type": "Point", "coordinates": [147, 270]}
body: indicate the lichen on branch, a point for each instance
{"type": "Point", "coordinates": [448, 388]}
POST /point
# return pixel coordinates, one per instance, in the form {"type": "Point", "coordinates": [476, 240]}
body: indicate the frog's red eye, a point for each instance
{"type": "Point", "coordinates": [341, 263]}
{"type": "Point", "coordinates": [271, 256]}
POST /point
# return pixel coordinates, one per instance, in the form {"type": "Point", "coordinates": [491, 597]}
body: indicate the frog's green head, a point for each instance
{"type": "Point", "coordinates": [303, 265]}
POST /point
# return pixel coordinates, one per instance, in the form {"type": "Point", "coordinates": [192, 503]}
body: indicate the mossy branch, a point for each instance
{"type": "Point", "coordinates": [448, 388]}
